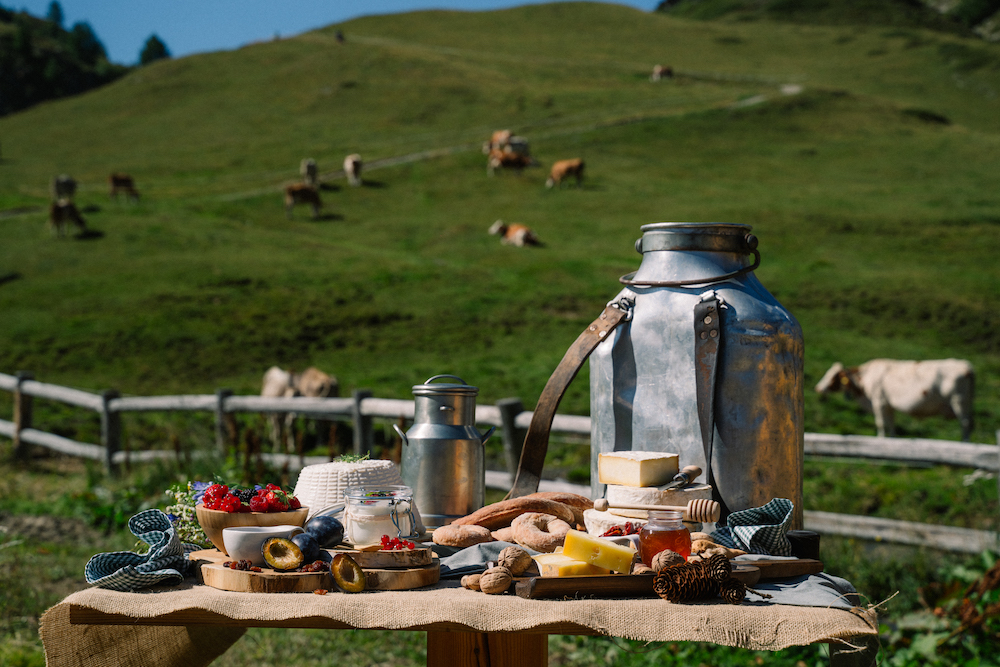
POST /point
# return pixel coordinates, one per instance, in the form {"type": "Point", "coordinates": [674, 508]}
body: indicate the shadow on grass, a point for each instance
{"type": "Point", "coordinates": [372, 184]}
{"type": "Point", "coordinates": [89, 235]}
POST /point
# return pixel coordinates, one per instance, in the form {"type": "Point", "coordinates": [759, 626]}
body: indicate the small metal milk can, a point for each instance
{"type": "Point", "coordinates": [707, 365]}
{"type": "Point", "coordinates": [443, 457]}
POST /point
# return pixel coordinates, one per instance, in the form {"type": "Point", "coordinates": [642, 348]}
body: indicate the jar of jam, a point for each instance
{"type": "Point", "coordinates": [664, 530]}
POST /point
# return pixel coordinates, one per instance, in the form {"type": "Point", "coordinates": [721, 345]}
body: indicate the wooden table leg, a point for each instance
{"type": "Point", "coordinates": [487, 649]}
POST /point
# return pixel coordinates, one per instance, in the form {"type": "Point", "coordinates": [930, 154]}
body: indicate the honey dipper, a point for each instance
{"type": "Point", "coordinates": [699, 509]}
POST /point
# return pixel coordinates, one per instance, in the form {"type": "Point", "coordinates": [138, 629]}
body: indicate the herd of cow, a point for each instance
{"type": "Point", "coordinates": [307, 192]}
{"type": "Point", "coordinates": [63, 210]}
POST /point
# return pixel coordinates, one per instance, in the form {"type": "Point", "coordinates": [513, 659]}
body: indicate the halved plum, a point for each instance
{"type": "Point", "coordinates": [347, 573]}
{"type": "Point", "coordinates": [282, 554]}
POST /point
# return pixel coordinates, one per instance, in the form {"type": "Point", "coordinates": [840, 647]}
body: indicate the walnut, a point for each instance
{"type": "Point", "coordinates": [665, 559]}
{"type": "Point", "coordinates": [471, 581]}
{"type": "Point", "coordinates": [515, 559]}
{"type": "Point", "coordinates": [495, 580]}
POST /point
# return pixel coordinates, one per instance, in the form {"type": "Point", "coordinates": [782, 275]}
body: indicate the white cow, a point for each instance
{"type": "Point", "coordinates": [280, 383]}
{"type": "Point", "coordinates": [943, 387]}
{"type": "Point", "coordinates": [352, 167]}
{"type": "Point", "coordinates": [514, 234]}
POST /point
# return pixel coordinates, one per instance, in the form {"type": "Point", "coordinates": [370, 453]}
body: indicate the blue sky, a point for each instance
{"type": "Point", "coordinates": [195, 26]}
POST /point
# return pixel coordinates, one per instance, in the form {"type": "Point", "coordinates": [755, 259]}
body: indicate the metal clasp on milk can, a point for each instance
{"type": "Point", "coordinates": [443, 458]}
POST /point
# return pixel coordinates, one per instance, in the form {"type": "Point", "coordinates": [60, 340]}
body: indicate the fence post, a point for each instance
{"type": "Point", "coordinates": [111, 431]}
{"type": "Point", "coordinates": [510, 408]}
{"type": "Point", "coordinates": [22, 414]}
{"type": "Point", "coordinates": [364, 439]}
{"type": "Point", "coordinates": [221, 432]}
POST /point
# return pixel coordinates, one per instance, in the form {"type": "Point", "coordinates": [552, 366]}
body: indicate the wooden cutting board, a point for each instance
{"type": "Point", "coordinates": [641, 585]}
{"type": "Point", "coordinates": [212, 573]}
{"type": "Point", "coordinates": [606, 586]}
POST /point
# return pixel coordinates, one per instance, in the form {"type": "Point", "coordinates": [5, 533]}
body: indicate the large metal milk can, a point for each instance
{"type": "Point", "coordinates": [709, 367]}
{"type": "Point", "coordinates": [443, 459]}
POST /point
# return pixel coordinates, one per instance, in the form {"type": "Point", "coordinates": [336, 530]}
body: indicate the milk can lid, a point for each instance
{"type": "Point", "coordinates": [448, 389]}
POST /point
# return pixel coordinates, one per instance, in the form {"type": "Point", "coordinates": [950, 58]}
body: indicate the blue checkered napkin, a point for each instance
{"type": "Point", "coordinates": [760, 530]}
{"type": "Point", "coordinates": [166, 562]}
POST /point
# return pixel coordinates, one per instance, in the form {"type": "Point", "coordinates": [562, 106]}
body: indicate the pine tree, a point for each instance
{"type": "Point", "coordinates": [154, 49]}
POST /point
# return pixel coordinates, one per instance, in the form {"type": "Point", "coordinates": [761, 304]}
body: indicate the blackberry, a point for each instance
{"type": "Point", "coordinates": [244, 495]}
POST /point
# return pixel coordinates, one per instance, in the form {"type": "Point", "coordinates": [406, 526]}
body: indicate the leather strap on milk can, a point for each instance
{"type": "Point", "coordinates": [707, 341]}
{"type": "Point", "coordinates": [536, 442]}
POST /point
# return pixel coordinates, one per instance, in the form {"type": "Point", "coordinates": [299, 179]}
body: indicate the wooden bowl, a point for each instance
{"type": "Point", "coordinates": [213, 521]}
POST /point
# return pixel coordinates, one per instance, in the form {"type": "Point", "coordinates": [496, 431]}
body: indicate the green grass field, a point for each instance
{"type": "Point", "coordinates": [875, 193]}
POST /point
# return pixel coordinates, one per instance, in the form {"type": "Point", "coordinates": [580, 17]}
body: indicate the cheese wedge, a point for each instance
{"type": "Point", "coordinates": [561, 565]}
{"type": "Point", "coordinates": [636, 468]}
{"type": "Point", "coordinates": [598, 551]}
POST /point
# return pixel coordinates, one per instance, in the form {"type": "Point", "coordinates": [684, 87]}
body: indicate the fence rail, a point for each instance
{"type": "Point", "coordinates": [508, 414]}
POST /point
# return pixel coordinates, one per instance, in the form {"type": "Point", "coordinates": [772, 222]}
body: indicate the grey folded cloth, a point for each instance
{"type": "Point", "coordinates": [166, 562]}
{"type": "Point", "coordinates": [471, 560]}
{"type": "Point", "coordinates": [759, 530]}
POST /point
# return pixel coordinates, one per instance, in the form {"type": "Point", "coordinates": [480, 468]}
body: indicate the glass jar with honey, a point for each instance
{"type": "Point", "coordinates": [664, 530]}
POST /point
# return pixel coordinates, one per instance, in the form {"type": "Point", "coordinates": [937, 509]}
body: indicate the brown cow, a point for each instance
{"type": "Point", "coordinates": [565, 169]}
{"type": "Point", "coordinates": [62, 212]}
{"type": "Point", "coordinates": [301, 193]}
{"type": "Point", "coordinates": [498, 141]}
{"type": "Point", "coordinates": [514, 234]}
{"type": "Point", "coordinates": [508, 160]}
{"type": "Point", "coordinates": [279, 383]}
{"type": "Point", "coordinates": [123, 183]}
{"type": "Point", "coordinates": [661, 72]}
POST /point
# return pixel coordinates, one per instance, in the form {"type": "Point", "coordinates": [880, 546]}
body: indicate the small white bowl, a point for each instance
{"type": "Point", "coordinates": [246, 542]}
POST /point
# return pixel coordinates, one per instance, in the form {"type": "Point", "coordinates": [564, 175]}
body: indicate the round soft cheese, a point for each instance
{"type": "Point", "coordinates": [599, 523]}
{"type": "Point", "coordinates": [653, 495]}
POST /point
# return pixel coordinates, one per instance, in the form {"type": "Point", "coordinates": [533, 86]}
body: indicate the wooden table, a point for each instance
{"type": "Point", "coordinates": [464, 628]}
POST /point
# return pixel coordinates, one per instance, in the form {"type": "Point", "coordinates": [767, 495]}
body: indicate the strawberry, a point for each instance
{"type": "Point", "coordinates": [277, 501]}
{"type": "Point", "coordinates": [258, 504]}
{"type": "Point", "coordinates": [293, 503]}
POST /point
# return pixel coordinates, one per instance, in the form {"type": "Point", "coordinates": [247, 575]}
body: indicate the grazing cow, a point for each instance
{"type": "Point", "coordinates": [122, 183]}
{"type": "Point", "coordinates": [498, 141]}
{"type": "Point", "coordinates": [508, 160]}
{"type": "Point", "coordinates": [942, 387]}
{"type": "Point", "coordinates": [300, 193]}
{"type": "Point", "coordinates": [309, 171]}
{"type": "Point", "coordinates": [661, 72]}
{"type": "Point", "coordinates": [352, 167]}
{"type": "Point", "coordinates": [63, 187]}
{"type": "Point", "coordinates": [515, 234]}
{"type": "Point", "coordinates": [278, 383]}
{"type": "Point", "coordinates": [565, 169]}
{"type": "Point", "coordinates": [62, 212]}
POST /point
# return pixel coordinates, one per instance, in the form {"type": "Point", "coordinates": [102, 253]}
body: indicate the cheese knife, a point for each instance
{"type": "Point", "coordinates": [686, 476]}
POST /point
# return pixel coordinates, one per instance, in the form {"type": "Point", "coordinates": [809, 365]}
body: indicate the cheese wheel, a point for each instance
{"type": "Point", "coordinates": [653, 495]}
{"type": "Point", "coordinates": [599, 523]}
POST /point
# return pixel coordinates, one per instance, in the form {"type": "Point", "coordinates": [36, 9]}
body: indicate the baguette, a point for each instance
{"type": "Point", "coordinates": [576, 502]}
{"type": "Point", "coordinates": [499, 515]}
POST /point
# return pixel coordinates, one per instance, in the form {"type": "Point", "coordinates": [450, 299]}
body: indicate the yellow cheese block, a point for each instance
{"type": "Point", "coordinates": [598, 551]}
{"type": "Point", "coordinates": [561, 565]}
{"type": "Point", "coordinates": [639, 469]}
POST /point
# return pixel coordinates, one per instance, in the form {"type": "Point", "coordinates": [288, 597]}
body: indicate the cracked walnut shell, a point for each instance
{"type": "Point", "coordinates": [495, 580]}
{"type": "Point", "coordinates": [515, 559]}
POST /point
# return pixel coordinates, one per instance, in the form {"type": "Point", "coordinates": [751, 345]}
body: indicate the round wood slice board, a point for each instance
{"type": "Point", "coordinates": [379, 559]}
{"type": "Point", "coordinates": [213, 573]}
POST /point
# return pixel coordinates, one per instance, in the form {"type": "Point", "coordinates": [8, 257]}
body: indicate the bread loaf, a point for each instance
{"type": "Point", "coordinates": [500, 514]}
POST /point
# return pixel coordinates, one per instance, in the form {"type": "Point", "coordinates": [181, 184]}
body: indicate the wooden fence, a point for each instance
{"type": "Point", "coordinates": [511, 418]}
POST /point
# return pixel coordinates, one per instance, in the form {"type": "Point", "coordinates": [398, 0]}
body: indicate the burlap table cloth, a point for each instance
{"type": "Point", "coordinates": [214, 620]}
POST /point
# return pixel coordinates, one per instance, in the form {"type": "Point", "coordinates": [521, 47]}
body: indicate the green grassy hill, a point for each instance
{"type": "Point", "coordinates": [874, 192]}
